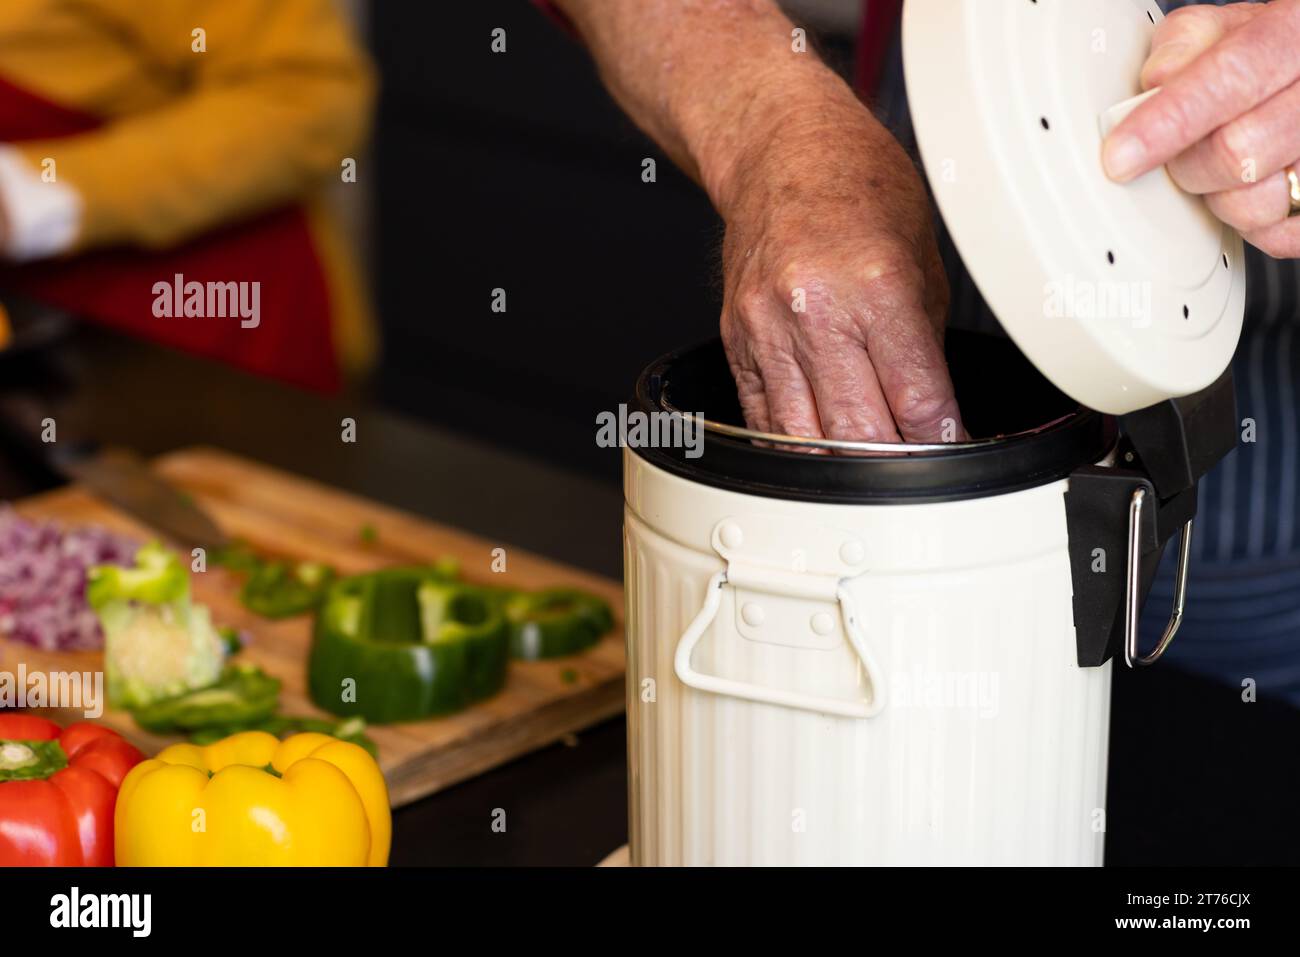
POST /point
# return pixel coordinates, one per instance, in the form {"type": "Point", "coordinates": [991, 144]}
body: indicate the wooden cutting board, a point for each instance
{"type": "Point", "coordinates": [283, 514]}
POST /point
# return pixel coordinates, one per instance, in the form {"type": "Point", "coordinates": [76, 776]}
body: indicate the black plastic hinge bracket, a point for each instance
{"type": "Point", "coordinates": [1165, 450]}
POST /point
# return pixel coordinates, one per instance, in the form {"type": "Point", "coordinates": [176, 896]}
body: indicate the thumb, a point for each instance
{"type": "Point", "coordinates": [1186, 33]}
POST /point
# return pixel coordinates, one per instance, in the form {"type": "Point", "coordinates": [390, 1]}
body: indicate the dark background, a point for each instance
{"type": "Point", "coordinates": [517, 171]}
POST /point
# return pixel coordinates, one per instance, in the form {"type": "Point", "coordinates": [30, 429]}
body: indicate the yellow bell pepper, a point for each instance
{"type": "Point", "coordinates": [251, 799]}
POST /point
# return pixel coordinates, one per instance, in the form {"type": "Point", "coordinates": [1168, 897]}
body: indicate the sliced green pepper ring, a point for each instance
{"type": "Point", "coordinates": [30, 760]}
{"type": "Point", "coordinates": [404, 644]}
{"type": "Point", "coordinates": [243, 695]}
{"type": "Point", "coordinates": [555, 622]}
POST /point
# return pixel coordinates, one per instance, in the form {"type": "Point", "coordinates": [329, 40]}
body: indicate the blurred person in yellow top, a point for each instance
{"type": "Point", "coordinates": [164, 168]}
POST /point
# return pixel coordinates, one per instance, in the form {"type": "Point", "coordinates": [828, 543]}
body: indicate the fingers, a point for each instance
{"type": "Point", "coordinates": [827, 342]}
{"type": "Point", "coordinates": [862, 364]}
{"type": "Point", "coordinates": [775, 395]}
{"type": "Point", "coordinates": [1249, 65]}
{"type": "Point", "coordinates": [1281, 240]}
{"type": "Point", "coordinates": [749, 383]}
{"type": "Point", "coordinates": [914, 376]}
{"type": "Point", "coordinates": [791, 405]}
{"type": "Point", "coordinates": [875, 359]}
{"type": "Point", "coordinates": [1255, 207]}
{"type": "Point", "coordinates": [1248, 150]}
{"type": "Point", "coordinates": [1187, 33]}
{"type": "Point", "coordinates": [906, 352]}
{"type": "Point", "coordinates": [1265, 214]}
{"type": "Point", "coordinates": [866, 369]}
{"type": "Point", "coordinates": [850, 402]}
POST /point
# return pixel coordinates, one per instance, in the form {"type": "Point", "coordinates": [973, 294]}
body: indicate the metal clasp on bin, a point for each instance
{"type": "Point", "coordinates": [1132, 586]}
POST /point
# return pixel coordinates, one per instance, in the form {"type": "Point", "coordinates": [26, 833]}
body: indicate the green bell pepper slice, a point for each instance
{"type": "Point", "coordinates": [555, 622]}
{"type": "Point", "coordinates": [243, 695]}
{"type": "Point", "coordinates": [405, 644]}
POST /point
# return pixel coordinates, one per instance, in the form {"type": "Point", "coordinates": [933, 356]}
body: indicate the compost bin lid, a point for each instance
{"type": "Point", "coordinates": [1123, 295]}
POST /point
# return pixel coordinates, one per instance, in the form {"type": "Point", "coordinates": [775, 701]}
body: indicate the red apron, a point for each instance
{"type": "Point", "coordinates": [116, 287]}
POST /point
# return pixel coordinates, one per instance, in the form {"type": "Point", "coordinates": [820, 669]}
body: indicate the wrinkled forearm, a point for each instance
{"type": "Point", "coordinates": [709, 80]}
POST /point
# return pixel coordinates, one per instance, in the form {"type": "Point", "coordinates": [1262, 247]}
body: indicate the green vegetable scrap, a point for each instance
{"type": "Point", "coordinates": [231, 640]}
{"type": "Point", "coordinates": [237, 557]}
{"type": "Point", "coordinates": [157, 643]}
{"type": "Point", "coordinates": [281, 590]}
{"type": "Point", "coordinates": [275, 589]}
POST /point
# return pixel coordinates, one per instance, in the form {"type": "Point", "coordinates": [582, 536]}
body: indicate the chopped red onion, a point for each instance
{"type": "Point", "coordinates": [43, 580]}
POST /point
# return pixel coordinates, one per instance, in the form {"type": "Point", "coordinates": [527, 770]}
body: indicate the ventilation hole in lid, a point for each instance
{"type": "Point", "coordinates": [1110, 258]}
{"type": "Point", "coordinates": [1150, 16]}
{"type": "Point", "coordinates": [1046, 125]}
{"type": "Point", "coordinates": [1187, 313]}
{"type": "Point", "coordinates": [1225, 261]}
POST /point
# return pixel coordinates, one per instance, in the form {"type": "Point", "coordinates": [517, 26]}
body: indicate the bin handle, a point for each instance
{"type": "Point", "coordinates": [789, 699]}
{"type": "Point", "coordinates": [1132, 607]}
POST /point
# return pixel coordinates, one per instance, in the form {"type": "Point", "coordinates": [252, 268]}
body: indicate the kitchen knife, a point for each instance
{"type": "Point", "coordinates": [124, 479]}
{"type": "Point", "coordinates": [115, 475]}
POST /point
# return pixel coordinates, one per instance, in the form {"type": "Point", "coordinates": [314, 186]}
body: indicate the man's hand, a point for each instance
{"type": "Point", "coordinates": [835, 296]}
{"type": "Point", "coordinates": [1227, 122]}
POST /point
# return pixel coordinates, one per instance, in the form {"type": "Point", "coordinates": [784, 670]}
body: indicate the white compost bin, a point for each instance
{"type": "Point", "coordinates": [902, 655]}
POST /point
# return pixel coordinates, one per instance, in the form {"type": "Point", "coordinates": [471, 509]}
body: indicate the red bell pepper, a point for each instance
{"type": "Point", "coordinates": [58, 788]}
